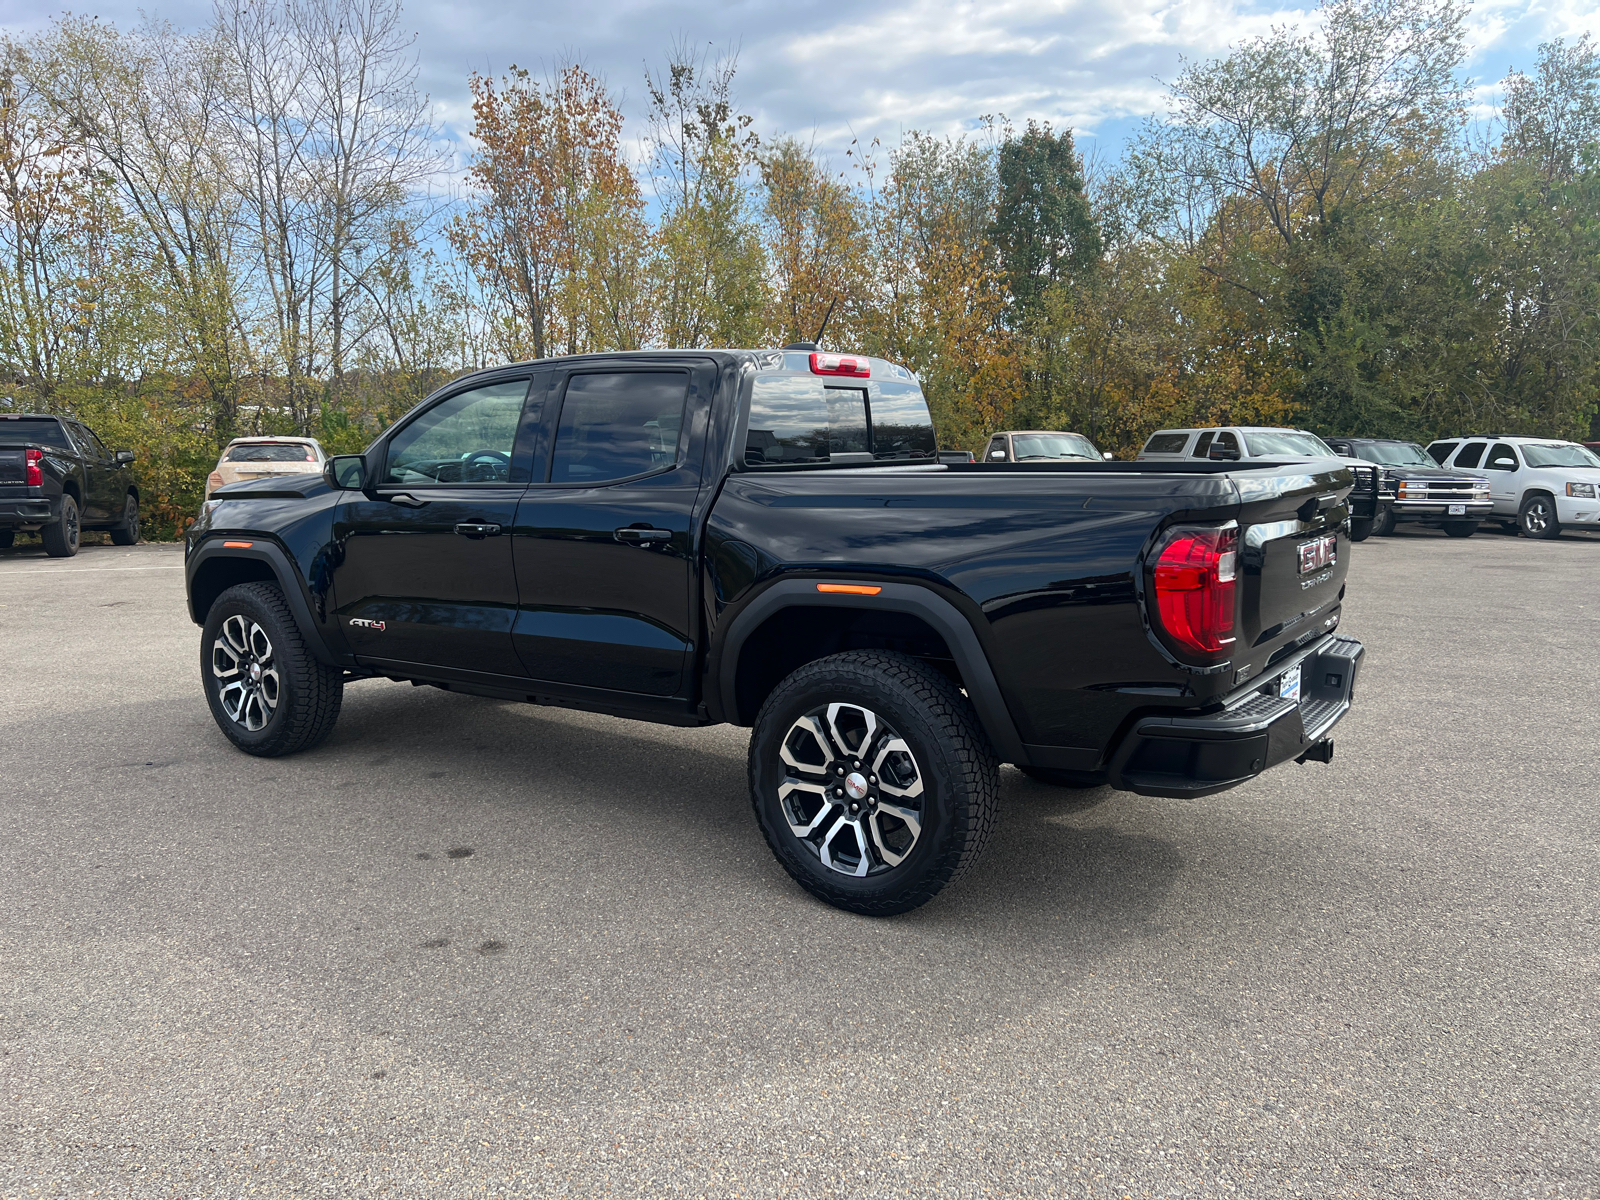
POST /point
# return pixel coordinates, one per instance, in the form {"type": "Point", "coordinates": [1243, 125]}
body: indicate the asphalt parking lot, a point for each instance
{"type": "Point", "coordinates": [473, 948]}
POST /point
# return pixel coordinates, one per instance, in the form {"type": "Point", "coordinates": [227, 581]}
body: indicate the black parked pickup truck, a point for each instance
{"type": "Point", "coordinates": [57, 479]}
{"type": "Point", "coordinates": [1410, 486]}
{"type": "Point", "coordinates": [767, 538]}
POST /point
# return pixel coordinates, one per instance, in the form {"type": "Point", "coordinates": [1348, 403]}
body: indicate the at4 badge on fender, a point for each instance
{"type": "Point", "coordinates": [363, 623]}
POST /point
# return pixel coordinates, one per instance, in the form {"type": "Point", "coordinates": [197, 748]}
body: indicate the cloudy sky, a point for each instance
{"type": "Point", "coordinates": [877, 67]}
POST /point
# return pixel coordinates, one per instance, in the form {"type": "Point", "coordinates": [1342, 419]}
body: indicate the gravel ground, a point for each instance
{"type": "Point", "coordinates": [472, 948]}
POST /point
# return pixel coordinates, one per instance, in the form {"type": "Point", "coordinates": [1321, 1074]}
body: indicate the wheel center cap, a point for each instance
{"type": "Point", "coordinates": [855, 784]}
{"type": "Point", "coordinates": [255, 672]}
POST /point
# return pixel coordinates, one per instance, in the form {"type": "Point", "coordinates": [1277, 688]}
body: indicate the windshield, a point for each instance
{"type": "Point", "coordinates": [270, 452]}
{"type": "Point", "coordinates": [1394, 454]}
{"type": "Point", "coordinates": [1052, 445]}
{"type": "Point", "coordinates": [1559, 454]}
{"type": "Point", "coordinates": [1289, 443]}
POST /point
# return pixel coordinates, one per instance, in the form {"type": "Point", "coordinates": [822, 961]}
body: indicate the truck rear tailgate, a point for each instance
{"type": "Point", "coordinates": [1294, 553]}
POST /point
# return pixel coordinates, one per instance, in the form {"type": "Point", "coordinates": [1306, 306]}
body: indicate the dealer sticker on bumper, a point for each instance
{"type": "Point", "coordinates": [1458, 510]}
{"type": "Point", "coordinates": [1289, 685]}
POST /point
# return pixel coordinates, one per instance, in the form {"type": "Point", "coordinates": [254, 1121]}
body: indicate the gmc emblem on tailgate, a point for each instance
{"type": "Point", "coordinates": [1317, 553]}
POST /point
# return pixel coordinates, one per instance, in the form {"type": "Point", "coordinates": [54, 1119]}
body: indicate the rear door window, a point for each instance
{"type": "Point", "coordinates": [620, 424]}
{"type": "Point", "coordinates": [1471, 454]}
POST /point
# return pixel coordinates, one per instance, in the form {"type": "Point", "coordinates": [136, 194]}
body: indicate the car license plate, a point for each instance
{"type": "Point", "coordinates": [1289, 685]}
{"type": "Point", "coordinates": [1316, 554]}
{"type": "Point", "coordinates": [1458, 510]}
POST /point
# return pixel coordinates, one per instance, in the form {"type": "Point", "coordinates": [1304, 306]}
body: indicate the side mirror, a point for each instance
{"type": "Point", "coordinates": [122, 457]}
{"type": "Point", "coordinates": [346, 472]}
{"type": "Point", "coordinates": [1223, 453]}
{"type": "Point", "coordinates": [997, 456]}
{"type": "Point", "coordinates": [1108, 456]}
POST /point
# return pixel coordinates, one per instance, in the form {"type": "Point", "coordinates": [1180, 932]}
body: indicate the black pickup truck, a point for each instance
{"type": "Point", "coordinates": [768, 538]}
{"type": "Point", "coordinates": [58, 479]}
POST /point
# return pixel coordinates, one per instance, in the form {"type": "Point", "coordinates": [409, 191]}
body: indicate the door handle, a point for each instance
{"type": "Point", "coordinates": [477, 529]}
{"type": "Point", "coordinates": [639, 534]}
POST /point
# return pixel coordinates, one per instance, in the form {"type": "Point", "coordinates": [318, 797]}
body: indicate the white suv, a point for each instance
{"type": "Point", "coordinates": [1536, 484]}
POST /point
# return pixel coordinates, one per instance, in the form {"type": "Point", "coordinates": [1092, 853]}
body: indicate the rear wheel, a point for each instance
{"type": "Point", "coordinates": [127, 533]}
{"type": "Point", "coordinates": [7, 536]}
{"type": "Point", "coordinates": [61, 535]}
{"type": "Point", "coordinates": [1538, 517]}
{"type": "Point", "coordinates": [1461, 528]}
{"type": "Point", "coordinates": [1383, 524]}
{"type": "Point", "coordinates": [1360, 530]}
{"type": "Point", "coordinates": [872, 781]}
{"type": "Point", "coordinates": [266, 689]}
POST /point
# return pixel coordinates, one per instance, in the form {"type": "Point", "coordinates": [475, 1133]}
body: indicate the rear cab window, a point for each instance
{"type": "Point", "coordinates": [1166, 443]}
{"type": "Point", "coordinates": [806, 419]}
{"type": "Point", "coordinates": [41, 431]}
{"type": "Point", "coordinates": [255, 452]}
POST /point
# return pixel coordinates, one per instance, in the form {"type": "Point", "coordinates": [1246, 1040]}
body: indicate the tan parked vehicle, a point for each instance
{"type": "Point", "coordinates": [256, 457]}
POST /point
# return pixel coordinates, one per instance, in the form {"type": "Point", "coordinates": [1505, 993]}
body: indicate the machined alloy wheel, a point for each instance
{"type": "Point", "coordinates": [1538, 517]}
{"type": "Point", "coordinates": [267, 690]}
{"type": "Point", "coordinates": [853, 792]}
{"type": "Point", "coordinates": [246, 672]}
{"type": "Point", "coordinates": [872, 780]}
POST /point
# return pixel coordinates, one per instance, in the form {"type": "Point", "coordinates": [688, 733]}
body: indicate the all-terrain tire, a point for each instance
{"type": "Point", "coordinates": [61, 536]}
{"type": "Point", "coordinates": [127, 533]}
{"type": "Point", "coordinates": [299, 708]}
{"type": "Point", "coordinates": [945, 751]}
{"type": "Point", "coordinates": [1360, 529]}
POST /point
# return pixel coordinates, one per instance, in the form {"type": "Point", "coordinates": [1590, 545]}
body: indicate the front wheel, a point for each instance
{"type": "Point", "coordinates": [1537, 517]}
{"type": "Point", "coordinates": [1461, 528]}
{"type": "Point", "coordinates": [60, 537]}
{"type": "Point", "coordinates": [127, 533]}
{"type": "Point", "coordinates": [872, 781]}
{"type": "Point", "coordinates": [1383, 524]}
{"type": "Point", "coordinates": [1360, 530]}
{"type": "Point", "coordinates": [267, 691]}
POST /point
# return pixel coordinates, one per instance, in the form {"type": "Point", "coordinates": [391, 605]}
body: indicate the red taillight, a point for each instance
{"type": "Point", "coordinates": [35, 473]}
{"type": "Point", "coordinates": [1194, 588]}
{"type": "Point", "coordinates": [841, 364]}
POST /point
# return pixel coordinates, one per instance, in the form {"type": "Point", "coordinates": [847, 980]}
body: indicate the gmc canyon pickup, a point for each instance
{"type": "Point", "coordinates": [768, 538]}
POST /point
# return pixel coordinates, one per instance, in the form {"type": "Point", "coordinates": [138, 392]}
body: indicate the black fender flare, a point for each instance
{"type": "Point", "coordinates": [217, 546]}
{"type": "Point", "coordinates": [942, 616]}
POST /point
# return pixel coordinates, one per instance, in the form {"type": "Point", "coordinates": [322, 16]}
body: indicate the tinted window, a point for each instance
{"type": "Point", "coordinates": [1202, 445]}
{"type": "Point", "coordinates": [465, 439]}
{"type": "Point", "coordinates": [795, 419]}
{"type": "Point", "coordinates": [91, 442]}
{"type": "Point", "coordinates": [1166, 443]}
{"type": "Point", "coordinates": [619, 424]}
{"type": "Point", "coordinates": [1392, 454]}
{"type": "Point", "coordinates": [39, 431]}
{"type": "Point", "coordinates": [1471, 454]}
{"type": "Point", "coordinates": [847, 420]}
{"type": "Point", "coordinates": [1439, 451]}
{"type": "Point", "coordinates": [1226, 441]}
{"type": "Point", "coordinates": [270, 452]}
{"type": "Point", "coordinates": [902, 427]}
{"type": "Point", "coordinates": [1502, 458]}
